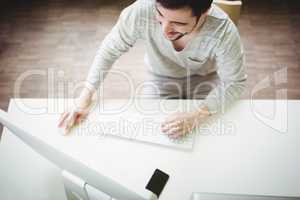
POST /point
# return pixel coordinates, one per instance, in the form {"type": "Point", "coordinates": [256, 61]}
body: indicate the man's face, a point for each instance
{"type": "Point", "coordinates": [175, 22]}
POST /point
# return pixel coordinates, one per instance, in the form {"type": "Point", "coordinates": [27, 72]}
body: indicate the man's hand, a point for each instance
{"type": "Point", "coordinates": [71, 118]}
{"type": "Point", "coordinates": [75, 115]}
{"type": "Point", "coordinates": [182, 123]}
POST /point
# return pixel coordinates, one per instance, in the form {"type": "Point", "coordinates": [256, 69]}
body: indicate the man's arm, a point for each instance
{"type": "Point", "coordinates": [231, 70]}
{"type": "Point", "coordinates": [122, 36]}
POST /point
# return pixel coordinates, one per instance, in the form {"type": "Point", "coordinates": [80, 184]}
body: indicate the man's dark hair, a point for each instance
{"type": "Point", "coordinates": [198, 6]}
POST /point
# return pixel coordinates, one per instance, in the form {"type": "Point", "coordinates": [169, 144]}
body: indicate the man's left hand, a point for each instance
{"type": "Point", "coordinates": [181, 123]}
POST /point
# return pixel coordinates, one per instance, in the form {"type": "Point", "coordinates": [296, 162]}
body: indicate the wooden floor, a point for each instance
{"type": "Point", "coordinates": [56, 41]}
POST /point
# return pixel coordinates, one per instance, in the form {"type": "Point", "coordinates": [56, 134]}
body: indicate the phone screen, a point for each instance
{"type": "Point", "coordinates": [157, 182]}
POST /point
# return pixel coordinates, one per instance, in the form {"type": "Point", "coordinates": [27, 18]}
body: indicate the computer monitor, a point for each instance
{"type": "Point", "coordinates": [66, 163]}
{"type": "Point", "coordinates": [220, 196]}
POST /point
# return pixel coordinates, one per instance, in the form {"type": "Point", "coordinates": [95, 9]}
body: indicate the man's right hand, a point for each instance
{"type": "Point", "coordinates": [77, 114]}
{"type": "Point", "coordinates": [71, 118]}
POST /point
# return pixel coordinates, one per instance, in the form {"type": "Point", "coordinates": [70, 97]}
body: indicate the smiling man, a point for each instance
{"type": "Point", "coordinates": [193, 50]}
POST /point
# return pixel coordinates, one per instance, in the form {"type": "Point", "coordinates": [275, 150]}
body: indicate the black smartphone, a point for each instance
{"type": "Point", "coordinates": [157, 182]}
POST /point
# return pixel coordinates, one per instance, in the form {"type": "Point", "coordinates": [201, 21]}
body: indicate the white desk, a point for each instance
{"type": "Point", "coordinates": [255, 159]}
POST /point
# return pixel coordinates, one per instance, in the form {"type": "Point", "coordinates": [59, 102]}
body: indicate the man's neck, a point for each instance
{"type": "Point", "coordinates": [199, 25]}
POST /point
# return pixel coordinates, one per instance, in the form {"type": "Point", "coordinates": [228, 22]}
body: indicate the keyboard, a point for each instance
{"type": "Point", "coordinates": [133, 126]}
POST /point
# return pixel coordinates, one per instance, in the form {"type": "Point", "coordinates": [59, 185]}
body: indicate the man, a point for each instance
{"type": "Point", "coordinates": [193, 51]}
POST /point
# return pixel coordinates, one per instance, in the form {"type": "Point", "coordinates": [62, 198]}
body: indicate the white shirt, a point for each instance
{"type": "Point", "coordinates": [217, 47]}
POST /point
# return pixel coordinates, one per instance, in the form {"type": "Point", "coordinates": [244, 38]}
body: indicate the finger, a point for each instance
{"type": "Point", "coordinates": [63, 118]}
{"type": "Point", "coordinates": [80, 118]}
{"type": "Point", "coordinates": [169, 126]}
{"type": "Point", "coordinates": [65, 131]}
{"type": "Point", "coordinates": [174, 130]}
{"type": "Point", "coordinates": [165, 128]}
{"type": "Point", "coordinates": [172, 123]}
{"type": "Point", "coordinates": [176, 135]}
{"type": "Point", "coordinates": [170, 120]}
{"type": "Point", "coordinates": [70, 120]}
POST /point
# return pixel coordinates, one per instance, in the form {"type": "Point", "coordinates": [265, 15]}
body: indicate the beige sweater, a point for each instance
{"type": "Point", "coordinates": [217, 47]}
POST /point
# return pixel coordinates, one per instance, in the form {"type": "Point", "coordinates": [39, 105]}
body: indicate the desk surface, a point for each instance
{"type": "Point", "coordinates": [252, 149]}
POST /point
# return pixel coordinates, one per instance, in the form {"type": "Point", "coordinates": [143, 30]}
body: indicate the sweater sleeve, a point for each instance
{"type": "Point", "coordinates": [231, 70]}
{"type": "Point", "coordinates": [119, 40]}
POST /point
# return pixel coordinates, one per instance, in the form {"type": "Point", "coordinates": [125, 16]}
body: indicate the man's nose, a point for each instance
{"type": "Point", "coordinates": [166, 27]}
